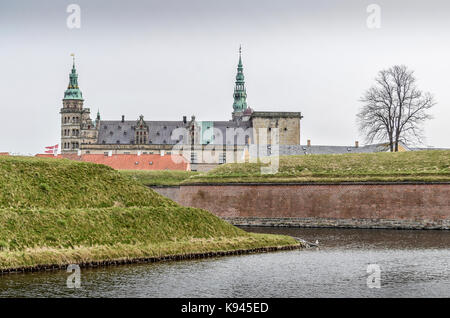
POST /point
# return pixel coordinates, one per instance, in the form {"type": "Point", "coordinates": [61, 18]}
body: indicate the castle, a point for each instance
{"type": "Point", "coordinates": [203, 143]}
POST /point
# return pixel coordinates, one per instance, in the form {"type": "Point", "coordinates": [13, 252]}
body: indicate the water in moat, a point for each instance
{"type": "Point", "coordinates": [412, 264]}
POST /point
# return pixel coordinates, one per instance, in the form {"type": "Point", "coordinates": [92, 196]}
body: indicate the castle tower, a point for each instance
{"type": "Point", "coordinates": [240, 94]}
{"type": "Point", "coordinates": [76, 125]}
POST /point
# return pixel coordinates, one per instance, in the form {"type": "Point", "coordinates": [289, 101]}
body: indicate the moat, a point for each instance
{"type": "Point", "coordinates": [412, 263]}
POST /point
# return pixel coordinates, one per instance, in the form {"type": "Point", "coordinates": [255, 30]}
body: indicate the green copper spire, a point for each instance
{"type": "Point", "coordinates": [97, 119]}
{"type": "Point", "coordinates": [240, 94]}
{"type": "Point", "coordinates": [73, 91]}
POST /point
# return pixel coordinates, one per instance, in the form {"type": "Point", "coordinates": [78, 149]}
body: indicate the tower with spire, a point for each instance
{"type": "Point", "coordinates": [240, 93]}
{"type": "Point", "coordinates": [76, 125]}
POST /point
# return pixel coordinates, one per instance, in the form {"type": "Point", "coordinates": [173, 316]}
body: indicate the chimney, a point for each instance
{"type": "Point", "coordinates": [308, 143]}
{"type": "Point", "coordinates": [356, 144]}
{"type": "Point", "coordinates": [184, 119]}
{"type": "Point", "coordinates": [123, 118]}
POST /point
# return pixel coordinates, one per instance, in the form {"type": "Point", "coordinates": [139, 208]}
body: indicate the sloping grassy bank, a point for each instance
{"type": "Point", "coordinates": [62, 212]}
{"type": "Point", "coordinates": [420, 166]}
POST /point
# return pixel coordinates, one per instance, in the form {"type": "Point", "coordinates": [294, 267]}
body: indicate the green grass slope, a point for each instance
{"type": "Point", "coordinates": [61, 183]}
{"type": "Point", "coordinates": [62, 212]}
{"type": "Point", "coordinates": [425, 166]}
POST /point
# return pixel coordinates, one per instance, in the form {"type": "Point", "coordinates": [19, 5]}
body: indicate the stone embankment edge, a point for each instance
{"type": "Point", "coordinates": [377, 224]}
{"type": "Point", "coordinates": [178, 257]}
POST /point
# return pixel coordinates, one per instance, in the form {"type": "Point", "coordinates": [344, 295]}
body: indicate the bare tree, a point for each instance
{"type": "Point", "coordinates": [394, 109]}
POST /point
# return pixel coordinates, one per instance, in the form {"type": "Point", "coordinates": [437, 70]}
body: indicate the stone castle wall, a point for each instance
{"type": "Point", "coordinates": [289, 129]}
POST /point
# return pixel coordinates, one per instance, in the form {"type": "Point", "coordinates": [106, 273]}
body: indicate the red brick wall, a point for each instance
{"type": "Point", "coordinates": [372, 201]}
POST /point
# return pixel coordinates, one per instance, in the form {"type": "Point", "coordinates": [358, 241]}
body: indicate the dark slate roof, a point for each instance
{"type": "Point", "coordinates": [271, 114]}
{"type": "Point", "coordinates": [111, 131]}
{"type": "Point", "coordinates": [429, 148]}
{"type": "Point", "coordinates": [160, 132]}
{"type": "Point", "coordinates": [220, 128]}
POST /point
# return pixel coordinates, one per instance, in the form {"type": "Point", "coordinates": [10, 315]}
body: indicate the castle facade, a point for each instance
{"type": "Point", "coordinates": [203, 143]}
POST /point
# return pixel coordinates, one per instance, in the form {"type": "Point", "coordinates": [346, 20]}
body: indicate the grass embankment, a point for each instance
{"type": "Point", "coordinates": [159, 177]}
{"type": "Point", "coordinates": [422, 166]}
{"type": "Point", "coordinates": [59, 212]}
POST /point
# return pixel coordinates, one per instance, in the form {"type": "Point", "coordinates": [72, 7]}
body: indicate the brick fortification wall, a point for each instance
{"type": "Point", "coordinates": [408, 206]}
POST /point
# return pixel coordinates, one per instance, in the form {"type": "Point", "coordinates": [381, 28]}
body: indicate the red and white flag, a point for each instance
{"type": "Point", "coordinates": [52, 149]}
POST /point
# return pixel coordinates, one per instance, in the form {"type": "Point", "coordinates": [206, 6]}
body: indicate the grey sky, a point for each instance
{"type": "Point", "coordinates": [166, 59]}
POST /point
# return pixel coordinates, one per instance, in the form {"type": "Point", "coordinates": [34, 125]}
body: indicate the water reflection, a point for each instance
{"type": "Point", "coordinates": [413, 264]}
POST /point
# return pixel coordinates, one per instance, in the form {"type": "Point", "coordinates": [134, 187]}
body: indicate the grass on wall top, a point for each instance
{"type": "Point", "coordinates": [389, 167]}
{"type": "Point", "coordinates": [159, 177]}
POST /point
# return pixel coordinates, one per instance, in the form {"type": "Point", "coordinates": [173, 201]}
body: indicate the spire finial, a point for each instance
{"type": "Point", "coordinates": [73, 91]}
{"type": "Point", "coordinates": [240, 95]}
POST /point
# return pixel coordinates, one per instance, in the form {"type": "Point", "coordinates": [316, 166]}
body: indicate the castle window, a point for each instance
{"type": "Point", "coordinates": [105, 127]}
{"type": "Point", "coordinates": [111, 133]}
{"type": "Point", "coordinates": [118, 127]}
{"type": "Point", "coordinates": [285, 128]}
{"type": "Point", "coordinates": [103, 142]}
{"type": "Point", "coordinates": [124, 133]}
{"type": "Point", "coordinates": [150, 163]}
{"type": "Point", "coordinates": [117, 141]}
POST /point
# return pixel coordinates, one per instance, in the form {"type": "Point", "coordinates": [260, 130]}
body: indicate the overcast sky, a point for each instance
{"type": "Point", "coordinates": [166, 59]}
